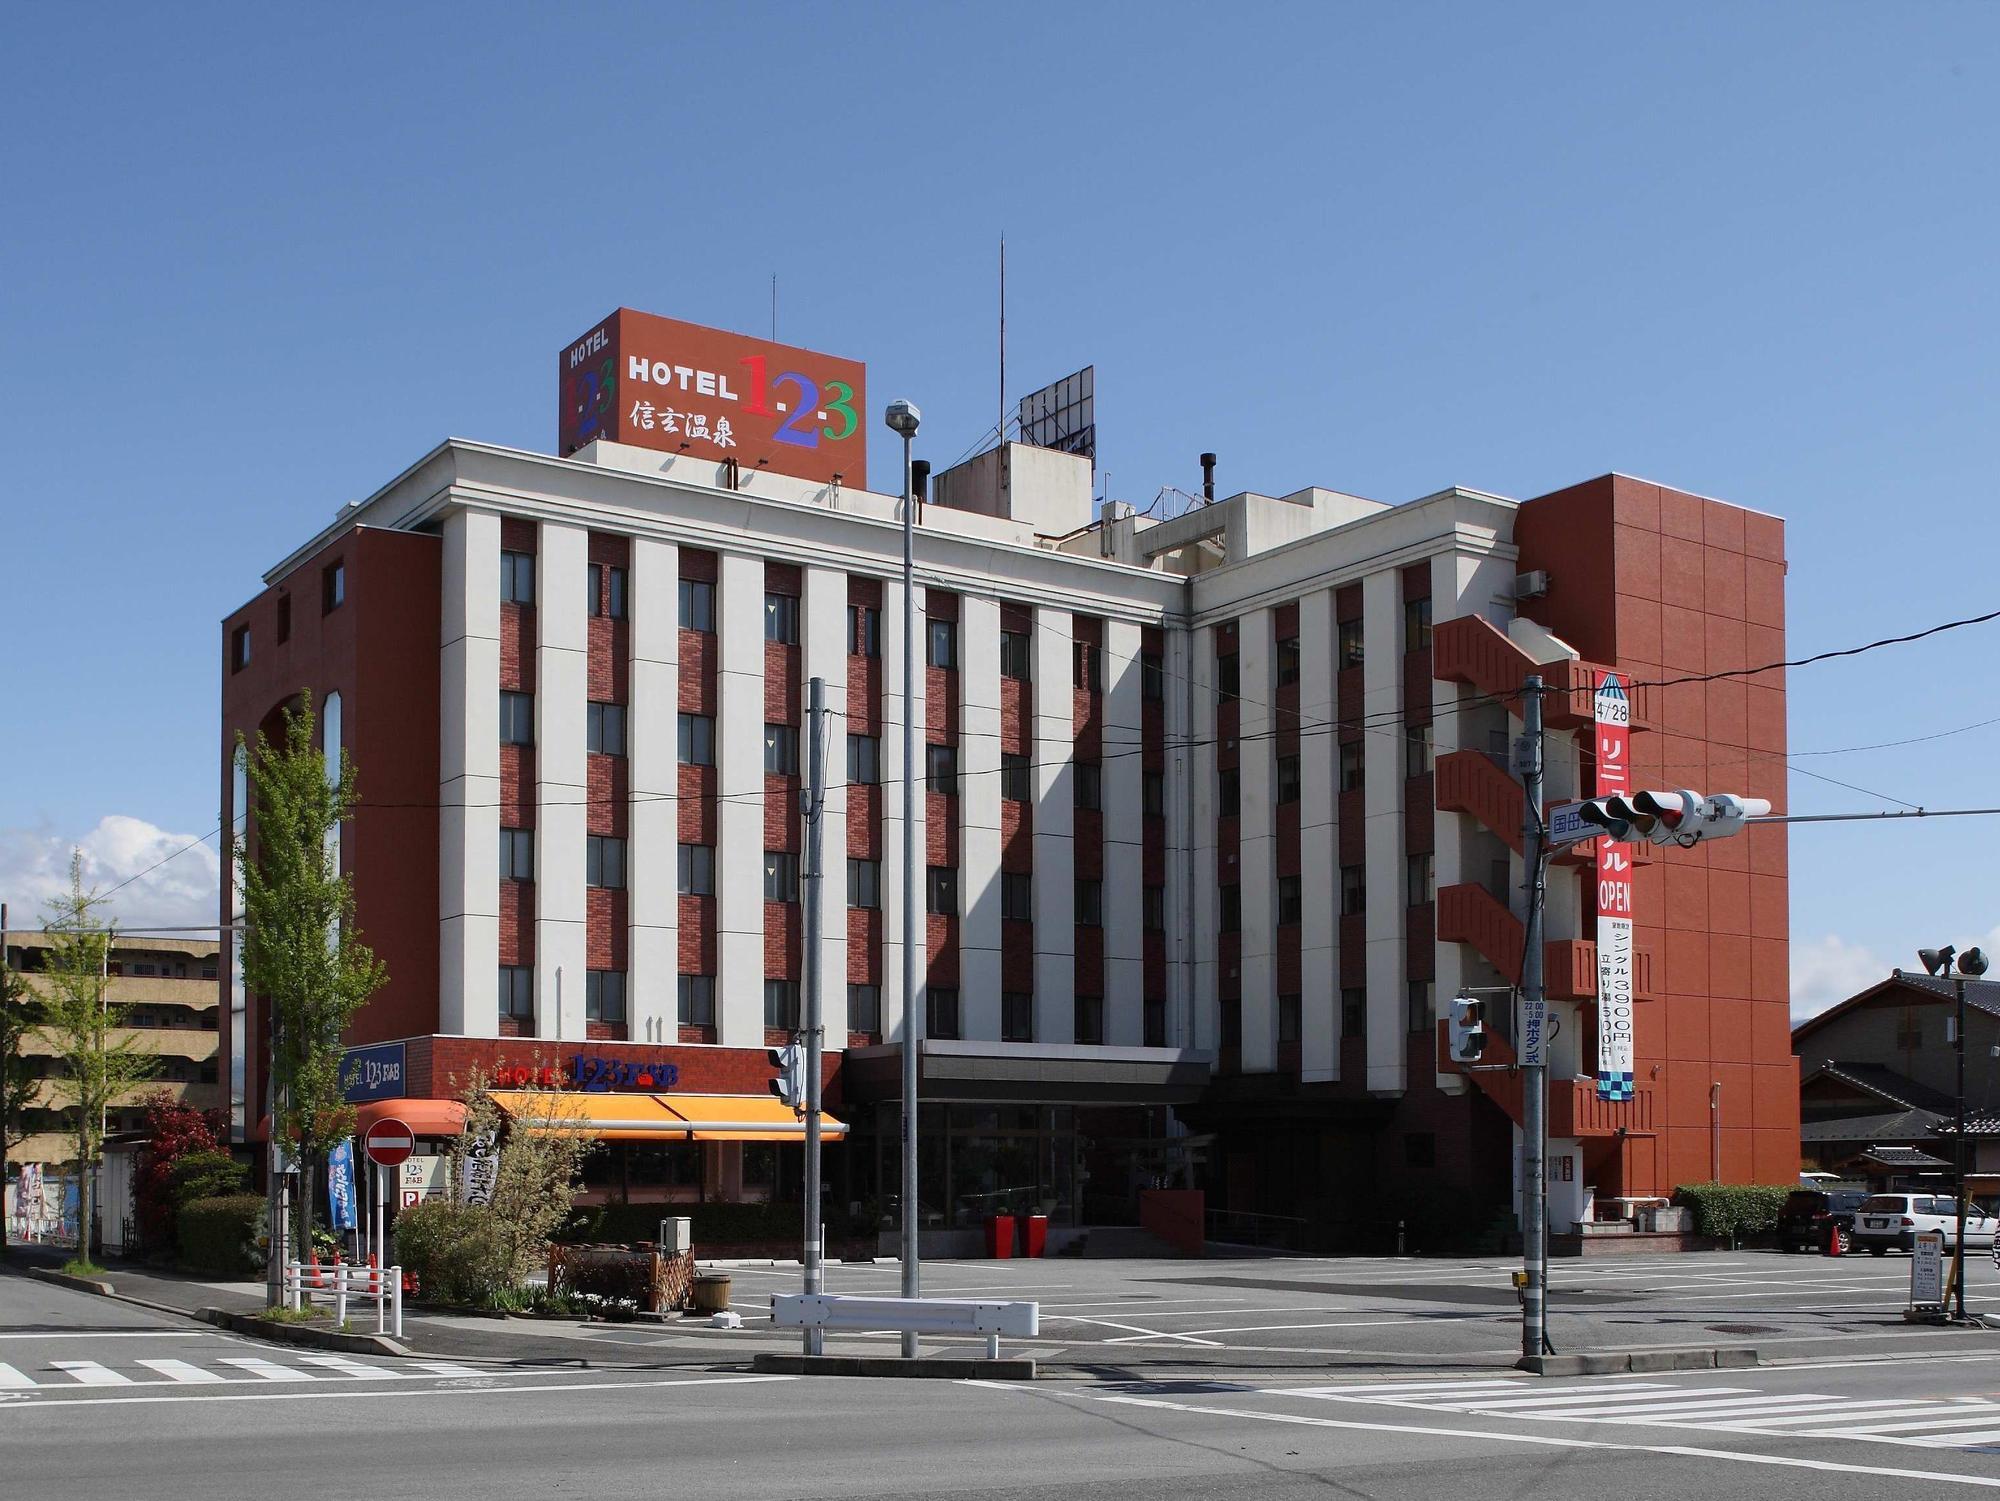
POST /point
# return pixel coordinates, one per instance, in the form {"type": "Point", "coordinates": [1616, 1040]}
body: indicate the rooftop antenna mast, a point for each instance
{"type": "Point", "coordinates": [1000, 427]}
{"type": "Point", "coordinates": [774, 307]}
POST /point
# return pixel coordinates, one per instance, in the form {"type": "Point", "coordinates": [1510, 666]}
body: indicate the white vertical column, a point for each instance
{"type": "Point", "coordinates": [1448, 601]}
{"type": "Point", "coordinates": [1182, 816]}
{"type": "Point", "coordinates": [825, 648]}
{"type": "Point", "coordinates": [652, 719]}
{"type": "Point", "coordinates": [1124, 838]}
{"type": "Point", "coordinates": [1319, 1021]}
{"type": "Point", "coordinates": [469, 777]}
{"type": "Point", "coordinates": [1051, 672]}
{"type": "Point", "coordinates": [562, 777]}
{"type": "Point", "coordinates": [1256, 760]}
{"type": "Point", "coordinates": [1201, 912]}
{"type": "Point", "coordinates": [1382, 825]}
{"type": "Point", "coordinates": [979, 816]}
{"type": "Point", "coordinates": [739, 842]}
{"type": "Point", "coordinates": [892, 800]}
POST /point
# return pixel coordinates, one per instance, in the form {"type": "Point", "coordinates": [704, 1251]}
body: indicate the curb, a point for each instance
{"type": "Point", "coordinates": [941, 1367]}
{"type": "Point", "coordinates": [81, 1284]}
{"type": "Point", "coordinates": [301, 1334]}
{"type": "Point", "coordinates": [1622, 1362]}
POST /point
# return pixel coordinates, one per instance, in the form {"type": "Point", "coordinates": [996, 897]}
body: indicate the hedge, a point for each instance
{"type": "Point", "coordinates": [713, 1224]}
{"type": "Point", "coordinates": [1732, 1211]}
{"type": "Point", "coordinates": [453, 1252]}
{"type": "Point", "coordinates": [222, 1236]}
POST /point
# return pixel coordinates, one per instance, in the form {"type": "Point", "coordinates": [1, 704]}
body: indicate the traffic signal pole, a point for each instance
{"type": "Point", "coordinates": [815, 811]}
{"type": "Point", "coordinates": [1534, 1051]}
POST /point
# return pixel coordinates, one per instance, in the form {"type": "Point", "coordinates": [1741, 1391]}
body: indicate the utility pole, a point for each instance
{"type": "Point", "coordinates": [1958, 1153]}
{"type": "Point", "coordinates": [815, 810]}
{"type": "Point", "coordinates": [1534, 1051]}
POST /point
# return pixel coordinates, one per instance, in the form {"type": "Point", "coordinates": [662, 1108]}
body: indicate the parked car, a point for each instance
{"type": "Point", "coordinates": [1894, 1220]}
{"type": "Point", "coordinates": [1810, 1215]}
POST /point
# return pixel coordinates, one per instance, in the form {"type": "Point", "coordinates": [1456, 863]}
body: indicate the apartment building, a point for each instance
{"type": "Point", "coordinates": [1215, 814]}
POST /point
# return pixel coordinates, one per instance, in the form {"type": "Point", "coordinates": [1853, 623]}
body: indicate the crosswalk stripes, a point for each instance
{"type": "Point", "coordinates": [90, 1373]}
{"type": "Point", "coordinates": [1934, 1422]}
{"type": "Point", "coordinates": [269, 1370]}
{"type": "Point", "coordinates": [228, 1370]}
{"type": "Point", "coordinates": [180, 1370]}
{"type": "Point", "coordinates": [10, 1379]}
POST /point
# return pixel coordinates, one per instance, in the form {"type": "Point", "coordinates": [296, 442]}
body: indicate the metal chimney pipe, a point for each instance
{"type": "Point", "coordinates": [920, 483]}
{"type": "Point", "coordinates": [1208, 478]}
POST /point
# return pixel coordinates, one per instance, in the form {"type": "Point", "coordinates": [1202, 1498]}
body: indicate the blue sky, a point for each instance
{"type": "Point", "coordinates": [258, 260]}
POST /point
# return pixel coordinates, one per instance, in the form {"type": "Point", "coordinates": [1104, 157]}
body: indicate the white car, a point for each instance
{"type": "Point", "coordinates": [1886, 1220]}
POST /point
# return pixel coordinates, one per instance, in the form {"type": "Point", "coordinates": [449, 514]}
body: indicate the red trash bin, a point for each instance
{"type": "Point", "coordinates": [1034, 1234]}
{"type": "Point", "coordinates": [1000, 1236]}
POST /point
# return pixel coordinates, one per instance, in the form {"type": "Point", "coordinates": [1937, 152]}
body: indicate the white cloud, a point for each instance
{"type": "Point", "coordinates": [1828, 970]}
{"type": "Point", "coordinates": [34, 867]}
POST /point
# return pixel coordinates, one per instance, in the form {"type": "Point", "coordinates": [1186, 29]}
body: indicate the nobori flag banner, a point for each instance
{"type": "Point", "coordinates": [1614, 900]}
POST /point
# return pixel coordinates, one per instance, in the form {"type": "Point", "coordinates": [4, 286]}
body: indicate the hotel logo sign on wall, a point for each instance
{"type": "Point", "coordinates": [681, 388]}
{"type": "Point", "coordinates": [1614, 900]}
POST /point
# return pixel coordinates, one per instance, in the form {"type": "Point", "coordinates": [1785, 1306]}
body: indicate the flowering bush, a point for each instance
{"type": "Point", "coordinates": [174, 1131]}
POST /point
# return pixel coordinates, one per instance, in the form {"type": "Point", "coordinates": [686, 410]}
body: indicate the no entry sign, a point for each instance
{"type": "Point", "coordinates": [389, 1141]}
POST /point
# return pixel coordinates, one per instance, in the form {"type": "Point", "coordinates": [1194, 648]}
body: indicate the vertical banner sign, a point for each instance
{"type": "Point", "coordinates": [340, 1186]}
{"type": "Point", "coordinates": [1614, 900]}
{"type": "Point", "coordinates": [481, 1169]}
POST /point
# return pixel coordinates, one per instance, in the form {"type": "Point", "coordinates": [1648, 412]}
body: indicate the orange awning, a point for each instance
{"type": "Point", "coordinates": [423, 1117]}
{"type": "Point", "coordinates": [652, 1117]}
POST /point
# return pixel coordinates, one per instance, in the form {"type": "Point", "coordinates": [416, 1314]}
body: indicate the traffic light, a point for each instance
{"type": "Point", "coordinates": [789, 1085]}
{"type": "Point", "coordinates": [1684, 818]}
{"type": "Point", "coordinates": [1468, 1029]}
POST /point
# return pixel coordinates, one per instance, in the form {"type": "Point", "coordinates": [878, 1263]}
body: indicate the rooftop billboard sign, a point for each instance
{"type": "Point", "coordinates": [681, 388]}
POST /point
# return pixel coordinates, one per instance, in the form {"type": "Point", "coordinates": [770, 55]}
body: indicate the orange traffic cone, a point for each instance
{"type": "Point", "coordinates": [1833, 1237]}
{"type": "Point", "coordinates": [319, 1277]}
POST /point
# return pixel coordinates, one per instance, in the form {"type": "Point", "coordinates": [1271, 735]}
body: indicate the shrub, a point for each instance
{"type": "Point", "coordinates": [206, 1175]}
{"type": "Point", "coordinates": [175, 1133]}
{"type": "Point", "coordinates": [220, 1236]}
{"type": "Point", "coordinates": [457, 1253]}
{"type": "Point", "coordinates": [1732, 1211]}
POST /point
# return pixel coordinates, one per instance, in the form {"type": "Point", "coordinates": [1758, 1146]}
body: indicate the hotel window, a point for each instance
{"type": "Point", "coordinates": [1090, 904]}
{"type": "Point", "coordinates": [864, 760]}
{"type": "Point", "coordinates": [1418, 759]}
{"type": "Point", "coordinates": [517, 854]}
{"type": "Point", "coordinates": [604, 996]}
{"type": "Point", "coordinates": [1153, 794]}
{"type": "Point", "coordinates": [1017, 896]}
{"type": "Point", "coordinates": [1353, 768]}
{"type": "Point", "coordinates": [1086, 666]}
{"type": "Point", "coordinates": [607, 729]}
{"type": "Point", "coordinates": [941, 769]}
{"type": "Point", "coordinates": [1417, 624]}
{"type": "Point", "coordinates": [1014, 655]}
{"type": "Point", "coordinates": [1349, 652]}
{"type": "Point", "coordinates": [517, 718]}
{"type": "Point", "coordinates": [1422, 1007]}
{"type": "Point", "coordinates": [697, 605]}
{"type": "Point", "coordinates": [697, 1000]}
{"type": "Point", "coordinates": [941, 890]}
{"type": "Point", "coordinates": [1291, 900]}
{"type": "Point", "coordinates": [332, 586]}
{"type": "Point", "coordinates": [1152, 677]}
{"type": "Point", "coordinates": [604, 861]}
{"type": "Point", "coordinates": [1089, 785]}
{"type": "Point", "coordinates": [1155, 1022]}
{"type": "Point", "coordinates": [239, 648]}
{"type": "Point", "coordinates": [517, 991]}
{"type": "Point", "coordinates": [1014, 783]}
{"type": "Point", "coordinates": [1353, 890]}
{"type": "Point", "coordinates": [517, 578]}
{"type": "Point", "coordinates": [864, 638]}
{"type": "Point", "coordinates": [697, 740]}
{"type": "Point", "coordinates": [864, 1008]}
{"type": "Point", "coordinates": [1017, 1016]}
{"type": "Point", "coordinates": [781, 876]}
{"type": "Point", "coordinates": [1090, 1019]}
{"type": "Point", "coordinates": [781, 1004]}
{"type": "Point", "coordinates": [607, 591]}
{"type": "Point", "coordinates": [781, 619]}
{"type": "Point", "coordinates": [1231, 919]}
{"type": "Point", "coordinates": [697, 870]}
{"type": "Point", "coordinates": [1289, 1007]}
{"type": "Point", "coordinates": [941, 643]}
{"type": "Point", "coordinates": [864, 884]}
{"type": "Point", "coordinates": [1420, 884]}
{"type": "Point", "coordinates": [942, 1009]}
{"type": "Point", "coordinates": [1229, 801]}
{"type": "Point", "coordinates": [1288, 661]}
{"type": "Point", "coordinates": [1287, 787]}
{"type": "Point", "coordinates": [1353, 1011]}
{"type": "Point", "coordinates": [1228, 680]}
{"type": "Point", "coordinates": [781, 750]}
{"type": "Point", "coordinates": [1153, 903]}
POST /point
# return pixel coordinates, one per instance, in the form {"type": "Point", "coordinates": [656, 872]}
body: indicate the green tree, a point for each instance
{"type": "Point", "coordinates": [20, 1079]}
{"type": "Point", "coordinates": [301, 950]}
{"type": "Point", "coordinates": [99, 1058]}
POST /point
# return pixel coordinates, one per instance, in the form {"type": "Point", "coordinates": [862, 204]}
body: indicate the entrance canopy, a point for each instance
{"type": "Point", "coordinates": [652, 1117]}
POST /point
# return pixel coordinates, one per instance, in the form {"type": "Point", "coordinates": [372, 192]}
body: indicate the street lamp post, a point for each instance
{"type": "Point", "coordinates": [903, 419]}
{"type": "Point", "coordinates": [1938, 963]}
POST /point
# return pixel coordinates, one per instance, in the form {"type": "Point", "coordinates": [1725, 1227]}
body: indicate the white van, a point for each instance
{"type": "Point", "coordinates": [1886, 1220]}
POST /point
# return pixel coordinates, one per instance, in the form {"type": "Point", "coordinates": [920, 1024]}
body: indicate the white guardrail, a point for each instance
{"type": "Point", "coordinates": [960, 1316]}
{"type": "Point", "coordinates": [337, 1283]}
